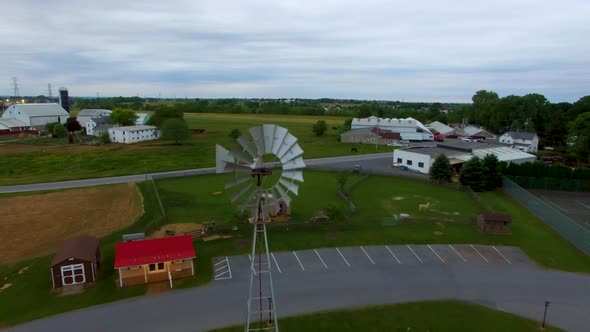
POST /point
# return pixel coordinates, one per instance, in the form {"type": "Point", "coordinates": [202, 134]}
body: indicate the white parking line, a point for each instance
{"type": "Point", "coordinates": [369, 257]}
{"type": "Point", "coordinates": [458, 254]}
{"type": "Point", "coordinates": [392, 254]}
{"type": "Point", "coordinates": [413, 252]}
{"type": "Point", "coordinates": [442, 260]}
{"type": "Point", "coordinates": [584, 205]}
{"type": "Point", "coordinates": [228, 266]}
{"type": "Point", "coordinates": [277, 264]}
{"type": "Point", "coordinates": [320, 257]}
{"type": "Point", "coordinates": [221, 261]}
{"type": "Point", "coordinates": [228, 271]}
{"type": "Point", "coordinates": [345, 261]}
{"type": "Point", "coordinates": [221, 267]}
{"type": "Point", "coordinates": [249, 257]}
{"type": "Point", "coordinates": [498, 251]}
{"type": "Point", "coordinates": [548, 200]}
{"type": "Point", "coordinates": [302, 268]}
{"type": "Point", "coordinates": [478, 253]}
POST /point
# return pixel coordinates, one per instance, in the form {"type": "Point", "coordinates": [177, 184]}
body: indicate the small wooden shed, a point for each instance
{"type": "Point", "coordinates": [77, 262]}
{"type": "Point", "coordinates": [494, 222]}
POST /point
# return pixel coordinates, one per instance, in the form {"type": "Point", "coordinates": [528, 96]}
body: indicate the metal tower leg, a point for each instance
{"type": "Point", "coordinates": [261, 301]}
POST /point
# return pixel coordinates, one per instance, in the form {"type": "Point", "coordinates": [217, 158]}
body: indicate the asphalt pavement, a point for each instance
{"type": "Point", "coordinates": [377, 162]}
{"type": "Point", "coordinates": [521, 289]}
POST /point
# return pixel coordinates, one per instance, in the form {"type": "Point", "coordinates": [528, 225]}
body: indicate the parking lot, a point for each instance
{"type": "Point", "coordinates": [575, 205]}
{"type": "Point", "coordinates": [364, 257]}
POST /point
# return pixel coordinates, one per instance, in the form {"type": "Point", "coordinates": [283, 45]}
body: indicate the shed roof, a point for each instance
{"type": "Point", "coordinates": [82, 247]}
{"type": "Point", "coordinates": [154, 251]}
{"type": "Point", "coordinates": [93, 112]}
{"type": "Point", "coordinates": [104, 119]}
{"type": "Point", "coordinates": [104, 126]}
{"type": "Point", "coordinates": [12, 123]}
{"type": "Point", "coordinates": [496, 217]}
{"type": "Point", "coordinates": [440, 127]}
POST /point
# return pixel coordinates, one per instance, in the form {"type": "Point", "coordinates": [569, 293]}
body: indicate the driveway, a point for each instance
{"type": "Point", "coordinates": [310, 286]}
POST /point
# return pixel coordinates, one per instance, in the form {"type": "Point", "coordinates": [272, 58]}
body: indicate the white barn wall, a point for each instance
{"type": "Point", "coordinates": [415, 159]}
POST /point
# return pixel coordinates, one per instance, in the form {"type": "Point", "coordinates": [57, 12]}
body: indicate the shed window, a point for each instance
{"type": "Point", "coordinates": [409, 162]}
{"type": "Point", "coordinates": [421, 165]}
{"type": "Point", "coordinates": [73, 274]}
{"type": "Point", "coordinates": [156, 267]}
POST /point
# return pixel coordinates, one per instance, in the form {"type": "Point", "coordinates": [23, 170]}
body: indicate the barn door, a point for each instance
{"type": "Point", "coordinates": [73, 274]}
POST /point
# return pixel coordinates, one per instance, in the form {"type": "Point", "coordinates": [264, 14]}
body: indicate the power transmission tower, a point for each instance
{"type": "Point", "coordinates": [15, 88]}
{"type": "Point", "coordinates": [49, 91]}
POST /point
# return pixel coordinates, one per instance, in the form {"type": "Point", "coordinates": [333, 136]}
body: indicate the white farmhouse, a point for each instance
{"type": "Point", "coordinates": [420, 159]}
{"type": "Point", "coordinates": [409, 128]}
{"type": "Point", "coordinates": [133, 134]}
{"type": "Point", "coordinates": [93, 123]}
{"type": "Point", "coordinates": [36, 114]}
{"type": "Point", "coordinates": [86, 114]}
{"type": "Point", "coordinates": [527, 142]}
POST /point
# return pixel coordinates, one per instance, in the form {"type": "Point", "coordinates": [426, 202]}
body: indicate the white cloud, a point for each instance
{"type": "Point", "coordinates": [420, 50]}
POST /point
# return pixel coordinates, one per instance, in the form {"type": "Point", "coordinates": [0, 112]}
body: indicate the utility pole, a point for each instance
{"type": "Point", "coordinates": [49, 92]}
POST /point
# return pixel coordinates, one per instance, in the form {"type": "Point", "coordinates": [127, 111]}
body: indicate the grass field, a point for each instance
{"type": "Point", "coordinates": [449, 316]}
{"type": "Point", "coordinates": [190, 200]}
{"type": "Point", "coordinates": [41, 162]}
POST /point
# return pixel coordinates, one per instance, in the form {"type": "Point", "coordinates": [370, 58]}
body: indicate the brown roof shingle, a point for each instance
{"type": "Point", "coordinates": [82, 247]}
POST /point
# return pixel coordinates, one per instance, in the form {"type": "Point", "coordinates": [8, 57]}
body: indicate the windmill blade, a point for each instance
{"type": "Point", "coordinates": [269, 136]}
{"type": "Point", "coordinates": [248, 146]}
{"type": "Point", "coordinates": [240, 193]}
{"type": "Point", "coordinates": [284, 196]}
{"type": "Point", "coordinates": [296, 163]}
{"type": "Point", "coordinates": [237, 181]}
{"type": "Point", "coordinates": [248, 201]}
{"type": "Point", "coordinates": [280, 134]}
{"type": "Point", "coordinates": [258, 138]}
{"type": "Point", "coordinates": [235, 167]}
{"type": "Point", "coordinates": [293, 175]}
{"type": "Point", "coordinates": [292, 187]}
{"type": "Point", "coordinates": [286, 145]}
{"type": "Point", "coordinates": [241, 156]}
{"type": "Point", "coordinates": [294, 152]}
{"type": "Point", "coordinates": [222, 158]}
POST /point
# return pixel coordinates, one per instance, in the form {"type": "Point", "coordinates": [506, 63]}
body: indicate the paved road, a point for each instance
{"type": "Point", "coordinates": [373, 161]}
{"type": "Point", "coordinates": [517, 288]}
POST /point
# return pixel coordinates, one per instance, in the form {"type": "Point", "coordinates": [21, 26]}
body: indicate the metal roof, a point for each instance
{"type": "Point", "coordinates": [93, 112]}
{"type": "Point", "coordinates": [135, 128]}
{"type": "Point", "coordinates": [521, 135]}
{"type": "Point", "coordinates": [440, 127]}
{"type": "Point", "coordinates": [12, 123]}
{"type": "Point", "coordinates": [154, 251]}
{"type": "Point", "coordinates": [35, 110]}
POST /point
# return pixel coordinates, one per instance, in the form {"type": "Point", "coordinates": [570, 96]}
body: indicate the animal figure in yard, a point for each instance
{"type": "Point", "coordinates": [424, 207]}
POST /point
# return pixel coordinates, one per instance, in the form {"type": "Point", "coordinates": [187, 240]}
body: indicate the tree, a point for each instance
{"type": "Point", "coordinates": [164, 113]}
{"type": "Point", "coordinates": [492, 172]}
{"type": "Point", "coordinates": [320, 127]}
{"type": "Point", "coordinates": [104, 137]}
{"type": "Point", "coordinates": [123, 117]}
{"type": "Point", "coordinates": [347, 124]}
{"type": "Point", "coordinates": [580, 137]}
{"type": "Point", "coordinates": [175, 129]}
{"type": "Point", "coordinates": [73, 125]}
{"type": "Point", "coordinates": [441, 169]}
{"type": "Point", "coordinates": [472, 174]}
{"type": "Point", "coordinates": [49, 127]}
{"type": "Point", "coordinates": [58, 130]}
{"type": "Point", "coordinates": [342, 179]}
{"type": "Point", "coordinates": [235, 133]}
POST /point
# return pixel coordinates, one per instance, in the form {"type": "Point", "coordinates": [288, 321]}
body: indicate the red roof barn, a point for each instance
{"type": "Point", "coordinates": [154, 260]}
{"type": "Point", "coordinates": [77, 262]}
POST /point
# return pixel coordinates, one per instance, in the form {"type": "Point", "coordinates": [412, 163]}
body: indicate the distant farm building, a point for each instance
{"type": "Point", "coordinates": [133, 134]}
{"type": "Point", "coordinates": [494, 223]}
{"type": "Point", "coordinates": [527, 142]}
{"type": "Point", "coordinates": [93, 123]}
{"type": "Point", "coordinates": [154, 260]}
{"type": "Point", "coordinates": [408, 129]}
{"type": "Point", "coordinates": [441, 128]}
{"type": "Point", "coordinates": [77, 262]}
{"type": "Point", "coordinates": [420, 159]}
{"type": "Point", "coordinates": [142, 119]}
{"type": "Point", "coordinates": [15, 127]}
{"type": "Point", "coordinates": [369, 136]}
{"type": "Point", "coordinates": [86, 114]}
{"type": "Point", "coordinates": [36, 115]}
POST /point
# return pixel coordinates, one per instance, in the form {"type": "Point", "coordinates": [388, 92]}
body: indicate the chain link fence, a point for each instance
{"type": "Point", "coordinates": [562, 224]}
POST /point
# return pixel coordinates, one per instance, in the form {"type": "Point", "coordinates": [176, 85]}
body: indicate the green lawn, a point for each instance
{"type": "Point", "coordinates": [199, 151]}
{"type": "Point", "coordinates": [410, 317]}
{"type": "Point", "coordinates": [376, 199]}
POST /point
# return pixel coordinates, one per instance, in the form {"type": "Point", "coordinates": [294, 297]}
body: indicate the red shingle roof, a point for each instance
{"type": "Point", "coordinates": [154, 251]}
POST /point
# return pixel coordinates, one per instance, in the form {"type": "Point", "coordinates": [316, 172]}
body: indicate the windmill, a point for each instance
{"type": "Point", "coordinates": [259, 186]}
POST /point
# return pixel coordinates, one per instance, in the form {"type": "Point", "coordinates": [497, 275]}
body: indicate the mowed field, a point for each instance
{"type": "Point", "coordinates": [36, 225]}
{"type": "Point", "coordinates": [49, 160]}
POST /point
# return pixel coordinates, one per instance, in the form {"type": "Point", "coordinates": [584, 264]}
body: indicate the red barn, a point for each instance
{"type": "Point", "coordinates": [77, 262]}
{"type": "Point", "coordinates": [154, 260]}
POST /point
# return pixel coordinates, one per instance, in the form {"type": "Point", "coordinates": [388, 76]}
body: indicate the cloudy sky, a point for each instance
{"type": "Point", "coordinates": [364, 49]}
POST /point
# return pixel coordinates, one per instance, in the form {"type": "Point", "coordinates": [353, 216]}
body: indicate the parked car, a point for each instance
{"type": "Point", "coordinates": [357, 168]}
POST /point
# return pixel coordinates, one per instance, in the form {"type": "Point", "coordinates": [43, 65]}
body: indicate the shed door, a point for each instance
{"type": "Point", "coordinates": [73, 274]}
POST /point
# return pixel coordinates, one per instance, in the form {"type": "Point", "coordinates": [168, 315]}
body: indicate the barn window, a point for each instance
{"type": "Point", "coordinates": [399, 160]}
{"type": "Point", "coordinates": [421, 165]}
{"type": "Point", "coordinates": [156, 267]}
{"type": "Point", "coordinates": [409, 162]}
